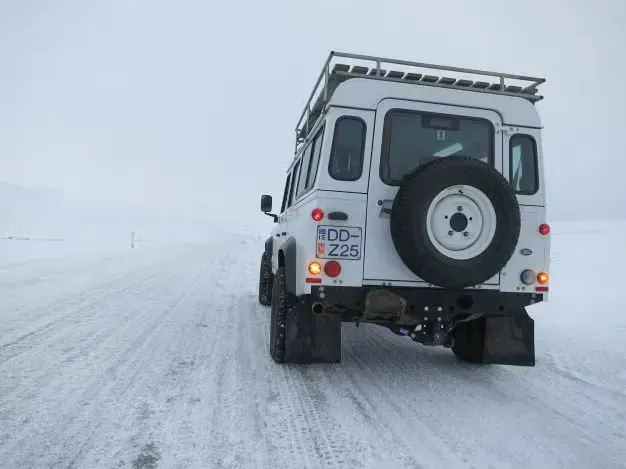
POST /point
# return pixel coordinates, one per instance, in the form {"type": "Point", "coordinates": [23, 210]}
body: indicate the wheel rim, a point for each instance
{"type": "Point", "coordinates": [461, 222]}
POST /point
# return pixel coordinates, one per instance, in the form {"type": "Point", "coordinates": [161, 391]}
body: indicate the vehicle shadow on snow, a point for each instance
{"type": "Point", "coordinates": [372, 356]}
{"type": "Point", "coordinates": [383, 376]}
{"type": "Point", "coordinates": [373, 352]}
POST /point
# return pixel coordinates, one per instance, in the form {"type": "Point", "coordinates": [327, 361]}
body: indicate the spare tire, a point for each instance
{"type": "Point", "coordinates": [455, 222]}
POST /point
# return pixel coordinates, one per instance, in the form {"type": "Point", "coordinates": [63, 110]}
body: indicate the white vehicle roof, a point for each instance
{"type": "Point", "coordinates": [360, 86]}
{"type": "Point", "coordinates": [366, 94]}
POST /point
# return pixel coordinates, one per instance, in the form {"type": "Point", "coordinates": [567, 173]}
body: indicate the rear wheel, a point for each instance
{"type": "Point", "coordinates": [469, 341]}
{"type": "Point", "coordinates": [282, 302]}
{"type": "Point", "coordinates": [296, 334]}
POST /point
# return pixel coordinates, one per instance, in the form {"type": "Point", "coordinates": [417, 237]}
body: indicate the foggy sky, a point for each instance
{"type": "Point", "coordinates": [194, 103]}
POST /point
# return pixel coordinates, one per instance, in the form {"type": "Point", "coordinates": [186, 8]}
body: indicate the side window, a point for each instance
{"type": "Point", "coordinates": [523, 172]}
{"type": "Point", "coordinates": [346, 155]}
{"type": "Point", "coordinates": [285, 194]}
{"type": "Point", "coordinates": [314, 162]}
{"type": "Point", "coordinates": [294, 178]}
{"type": "Point", "coordinates": [305, 164]}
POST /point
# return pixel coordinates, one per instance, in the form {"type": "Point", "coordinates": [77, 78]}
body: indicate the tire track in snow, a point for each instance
{"type": "Point", "coordinates": [130, 367]}
{"type": "Point", "coordinates": [24, 318]}
{"type": "Point", "coordinates": [491, 397]}
{"type": "Point", "coordinates": [77, 285]}
{"type": "Point", "coordinates": [71, 341]}
{"type": "Point", "coordinates": [196, 396]}
{"type": "Point", "coordinates": [220, 405]}
{"type": "Point", "coordinates": [82, 308]}
{"type": "Point", "coordinates": [234, 424]}
{"type": "Point", "coordinates": [369, 387]}
{"type": "Point", "coordinates": [287, 442]}
{"type": "Point", "coordinates": [427, 392]}
{"type": "Point", "coordinates": [71, 348]}
{"type": "Point", "coordinates": [313, 412]}
{"type": "Point", "coordinates": [84, 402]}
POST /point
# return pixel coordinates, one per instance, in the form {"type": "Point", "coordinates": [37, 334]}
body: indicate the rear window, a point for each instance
{"type": "Point", "coordinates": [411, 139]}
{"type": "Point", "coordinates": [523, 172]}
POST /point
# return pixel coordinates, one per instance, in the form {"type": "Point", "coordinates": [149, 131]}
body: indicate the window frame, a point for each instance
{"type": "Point", "coordinates": [294, 177]}
{"type": "Point", "coordinates": [318, 139]}
{"type": "Point", "coordinates": [304, 161]}
{"type": "Point", "coordinates": [332, 148]}
{"type": "Point", "coordinates": [385, 143]}
{"type": "Point", "coordinates": [283, 206]}
{"type": "Point", "coordinates": [535, 159]}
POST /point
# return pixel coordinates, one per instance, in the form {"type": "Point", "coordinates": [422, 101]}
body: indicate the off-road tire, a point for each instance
{"type": "Point", "coordinates": [282, 302]}
{"type": "Point", "coordinates": [266, 279]}
{"type": "Point", "coordinates": [469, 341]}
{"type": "Point", "coordinates": [409, 219]}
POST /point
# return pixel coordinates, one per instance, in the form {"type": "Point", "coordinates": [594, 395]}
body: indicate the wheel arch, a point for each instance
{"type": "Point", "coordinates": [288, 258]}
{"type": "Point", "coordinates": [269, 246]}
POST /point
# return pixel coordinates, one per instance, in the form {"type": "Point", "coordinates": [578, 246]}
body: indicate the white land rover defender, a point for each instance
{"type": "Point", "coordinates": [415, 202]}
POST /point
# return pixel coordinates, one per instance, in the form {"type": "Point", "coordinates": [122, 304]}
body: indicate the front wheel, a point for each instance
{"type": "Point", "coordinates": [265, 280]}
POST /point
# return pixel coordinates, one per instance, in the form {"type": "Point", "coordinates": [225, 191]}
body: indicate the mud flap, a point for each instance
{"type": "Point", "coordinates": [498, 340]}
{"type": "Point", "coordinates": [312, 338]}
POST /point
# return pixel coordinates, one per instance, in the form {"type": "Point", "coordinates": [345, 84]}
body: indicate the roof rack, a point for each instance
{"type": "Point", "coordinates": [342, 72]}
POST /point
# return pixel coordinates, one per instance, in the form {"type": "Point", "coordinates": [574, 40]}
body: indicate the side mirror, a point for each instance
{"type": "Point", "coordinates": [266, 203]}
{"type": "Point", "coordinates": [266, 207]}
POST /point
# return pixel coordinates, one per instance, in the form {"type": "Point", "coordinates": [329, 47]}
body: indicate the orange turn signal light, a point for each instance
{"type": "Point", "coordinates": [542, 277]}
{"type": "Point", "coordinates": [315, 268]}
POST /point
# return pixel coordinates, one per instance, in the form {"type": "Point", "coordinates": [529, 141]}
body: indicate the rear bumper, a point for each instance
{"type": "Point", "coordinates": [425, 301]}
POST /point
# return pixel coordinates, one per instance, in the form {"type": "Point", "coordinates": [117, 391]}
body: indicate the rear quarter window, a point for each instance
{"type": "Point", "coordinates": [346, 155]}
{"type": "Point", "coordinates": [523, 167]}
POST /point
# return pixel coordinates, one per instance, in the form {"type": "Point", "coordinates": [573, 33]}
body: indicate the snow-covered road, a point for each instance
{"type": "Point", "coordinates": [158, 358]}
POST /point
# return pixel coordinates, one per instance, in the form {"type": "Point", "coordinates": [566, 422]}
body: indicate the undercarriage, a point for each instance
{"type": "Point", "coordinates": [487, 327]}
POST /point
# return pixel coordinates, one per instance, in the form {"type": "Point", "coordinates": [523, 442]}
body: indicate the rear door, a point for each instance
{"type": "Point", "coordinates": [382, 263]}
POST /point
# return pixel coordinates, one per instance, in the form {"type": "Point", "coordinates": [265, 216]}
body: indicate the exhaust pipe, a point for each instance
{"type": "Point", "coordinates": [317, 308]}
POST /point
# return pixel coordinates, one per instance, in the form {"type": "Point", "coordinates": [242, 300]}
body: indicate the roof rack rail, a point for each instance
{"type": "Point", "coordinates": [342, 72]}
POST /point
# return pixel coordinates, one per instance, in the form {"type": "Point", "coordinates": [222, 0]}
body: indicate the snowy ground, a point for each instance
{"type": "Point", "coordinates": [158, 358]}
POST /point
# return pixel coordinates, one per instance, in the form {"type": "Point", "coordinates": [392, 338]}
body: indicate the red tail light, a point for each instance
{"type": "Point", "coordinates": [317, 214]}
{"type": "Point", "coordinates": [544, 229]}
{"type": "Point", "coordinates": [332, 268]}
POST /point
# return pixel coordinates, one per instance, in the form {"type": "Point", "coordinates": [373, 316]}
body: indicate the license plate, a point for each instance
{"type": "Point", "coordinates": [339, 242]}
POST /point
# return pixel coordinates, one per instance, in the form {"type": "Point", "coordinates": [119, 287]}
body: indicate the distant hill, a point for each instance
{"type": "Point", "coordinates": [51, 213]}
{"type": "Point", "coordinates": [45, 213]}
{"type": "Point", "coordinates": [26, 211]}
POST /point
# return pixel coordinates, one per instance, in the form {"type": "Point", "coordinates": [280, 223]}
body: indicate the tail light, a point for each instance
{"type": "Point", "coordinates": [332, 268]}
{"type": "Point", "coordinates": [544, 229]}
{"type": "Point", "coordinates": [317, 214]}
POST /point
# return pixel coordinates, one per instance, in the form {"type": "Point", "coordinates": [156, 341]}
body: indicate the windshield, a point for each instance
{"type": "Point", "coordinates": [414, 138]}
